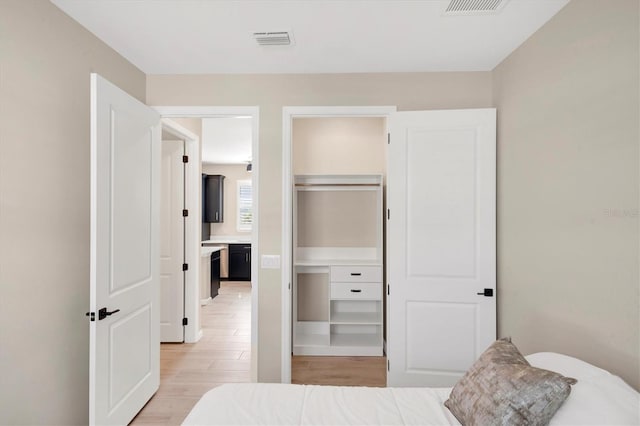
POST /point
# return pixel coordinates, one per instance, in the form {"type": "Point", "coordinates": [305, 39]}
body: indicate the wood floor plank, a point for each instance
{"type": "Point", "coordinates": [227, 338]}
{"type": "Point", "coordinates": [211, 376]}
{"type": "Point", "coordinates": [196, 390]}
{"type": "Point", "coordinates": [214, 346]}
{"type": "Point", "coordinates": [212, 354]}
{"type": "Point", "coordinates": [339, 371]}
{"type": "Point", "coordinates": [211, 332]}
{"type": "Point", "coordinates": [231, 365]}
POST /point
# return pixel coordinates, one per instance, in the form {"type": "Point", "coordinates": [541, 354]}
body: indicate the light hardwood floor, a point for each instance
{"type": "Point", "coordinates": [339, 370]}
{"type": "Point", "coordinates": [187, 371]}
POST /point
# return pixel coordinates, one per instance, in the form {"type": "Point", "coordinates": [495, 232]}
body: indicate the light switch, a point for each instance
{"type": "Point", "coordinates": [270, 261]}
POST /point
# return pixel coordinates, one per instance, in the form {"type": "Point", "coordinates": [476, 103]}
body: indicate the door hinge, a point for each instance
{"type": "Point", "coordinates": [388, 289]}
{"type": "Point", "coordinates": [185, 213]}
{"type": "Point", "coordinates": [185, 321]}
{"type": "Point", "coordinates": [185, 266]}
{"type": "Point", "coordinates": [91, 315]}
{"type": "Point", "coordinates": [388, 138]}
{"type": "Point", "coordinates": [185, 158]}
{"type": "Point", "coordinates": [388, 214]}
{"type": "Point", "coordinates": [388, 365]}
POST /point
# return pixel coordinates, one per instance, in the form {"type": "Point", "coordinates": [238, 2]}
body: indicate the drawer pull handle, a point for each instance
{"type": "Point", "coordinates": [353, 290]}
{"type": "Point", "coordinates": [356, 274]}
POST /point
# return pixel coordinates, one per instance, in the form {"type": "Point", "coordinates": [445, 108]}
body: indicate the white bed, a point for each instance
{"type": "Point", "coordinates": [599, 398]}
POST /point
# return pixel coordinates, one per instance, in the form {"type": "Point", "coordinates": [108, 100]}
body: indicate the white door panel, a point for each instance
{"type": "Point", "coordinates": [136, 361]}
{"type": "Point", "coordinates": [441, 244]}
{"type": "Point", "coordinates": [124, 346]}
{"type": "Point", "coordinates": [425, 320]}
{"type": "Point", "coordinates": [441, 181]}
{"type": "Point", "coordinates": [172, 242]}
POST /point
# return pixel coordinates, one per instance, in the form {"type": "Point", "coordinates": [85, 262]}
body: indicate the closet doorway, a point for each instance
{"type": "Point", "coordinates": [440, 249]}
{"type": "Point", "coordinates": [333, 258]}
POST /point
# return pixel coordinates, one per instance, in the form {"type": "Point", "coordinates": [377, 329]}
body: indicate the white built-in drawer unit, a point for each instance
{"type": "Point", "coordinates": [355, 293]}
{"type": "Point", "coordinates": [361, 274]}
{"type": "Point", "coordinates": [359, 291]}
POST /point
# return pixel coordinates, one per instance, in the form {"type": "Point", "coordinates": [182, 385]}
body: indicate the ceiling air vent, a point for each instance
{"type": "Point", "coordinates": [474, 7]}
{"type": "Point", "coordinates": [280, 38]}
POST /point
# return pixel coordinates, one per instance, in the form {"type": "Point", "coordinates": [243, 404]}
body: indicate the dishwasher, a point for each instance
{"type": "Point", "coordinates": [215, 273]}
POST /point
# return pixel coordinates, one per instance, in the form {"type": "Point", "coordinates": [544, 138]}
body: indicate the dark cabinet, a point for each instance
{"type": "Point", "coordinates": [215, 273]}
{"type": "Point", "coordinates": [240, 262]}
{"type": "Point", "coordinates": [205, 230]}
{"type": "Point", "coordinates": [213, 202]}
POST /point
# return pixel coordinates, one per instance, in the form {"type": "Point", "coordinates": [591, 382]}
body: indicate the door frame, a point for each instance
{"type": "Point", "coordinates": [192, 256]}
{"type": "Point", "coordinates": [288, 114]}
{"type": "Point", "coordinates": [194, 172]}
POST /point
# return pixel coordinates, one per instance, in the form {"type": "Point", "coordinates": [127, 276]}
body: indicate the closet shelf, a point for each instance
{"type": "Point", "coordinates": [338, 180]}
{"type": "Point", "coordinates": [356, 318]}
{"type": "Point", "coordinates": [354, 340]}
{"type": "Point", "coordinates": [337, 262]}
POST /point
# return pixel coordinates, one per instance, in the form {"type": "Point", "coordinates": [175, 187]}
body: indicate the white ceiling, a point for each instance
{"type": "Point", "coordinates": [331, 36]}
{"type": "Point", "coordinates": [226, 140]}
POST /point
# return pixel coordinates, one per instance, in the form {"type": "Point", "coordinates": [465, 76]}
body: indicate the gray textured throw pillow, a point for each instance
{"type": "Point", "coordinates": [502, 388]}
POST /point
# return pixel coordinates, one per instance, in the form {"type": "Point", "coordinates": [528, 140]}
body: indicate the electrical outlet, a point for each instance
{"type": "Point", "coordinates": [270, 261]}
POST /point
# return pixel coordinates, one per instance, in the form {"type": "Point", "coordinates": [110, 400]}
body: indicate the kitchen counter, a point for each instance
{"type": "Point", "coordinates": [228, 239]}
{"type": "Point", "coordinates": [207, 250]}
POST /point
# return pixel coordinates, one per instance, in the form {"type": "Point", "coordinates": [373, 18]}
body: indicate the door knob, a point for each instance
{"type": "Point", "coordinates": [103, 313]}
{"type": "Point", "coordinates": [488, 292]}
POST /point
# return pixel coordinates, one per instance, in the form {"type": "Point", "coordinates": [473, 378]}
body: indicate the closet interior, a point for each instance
{"type": "Point", "coordinates": [338, 236]}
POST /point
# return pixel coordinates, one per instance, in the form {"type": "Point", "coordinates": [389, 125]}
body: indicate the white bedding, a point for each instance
{"type": "Point", "coordinates": [599, 398]}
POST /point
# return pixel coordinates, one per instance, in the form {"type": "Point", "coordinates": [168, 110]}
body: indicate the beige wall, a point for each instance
{"type": "Point", "coordinates": [410, 91]}
{"type": "Point", "coordinates": [232, 173]}
{"type": "Point", "coordinates": [313, 297]}
{"type": "Point", "coordinates": [45, 61]}
{"type": "Point", "coordinates": [338, 145]}
{"type": "Point", "coordinates": [568, 137]}
{"type": "Point", "coordinates": [194, 125]}
{"type": "Point", "coordinates": [337, 219]}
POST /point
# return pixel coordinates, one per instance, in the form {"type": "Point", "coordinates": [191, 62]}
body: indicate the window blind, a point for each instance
{"type": "Point", "coordinates": [245, 213]}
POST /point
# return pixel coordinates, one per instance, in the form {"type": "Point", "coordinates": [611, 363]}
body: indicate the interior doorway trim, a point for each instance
{"type": "Point", "coordinates": [288, 114]}
{"type": "Point", "coordinates": [193, 192]}
{"type": "Point", "coordinates": [192, 147]}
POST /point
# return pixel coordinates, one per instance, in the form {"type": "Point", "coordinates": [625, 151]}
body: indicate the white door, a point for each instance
{"type": "Point", "coordinates": [172, 242]}
{"type": "Point", "coordinates": [124, 276]}
{"type": "Point", "coordinates": [441, 244]}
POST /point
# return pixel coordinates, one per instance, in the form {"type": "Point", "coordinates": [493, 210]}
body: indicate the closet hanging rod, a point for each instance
{"type": "Point", "coordinates": [372, 185]}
